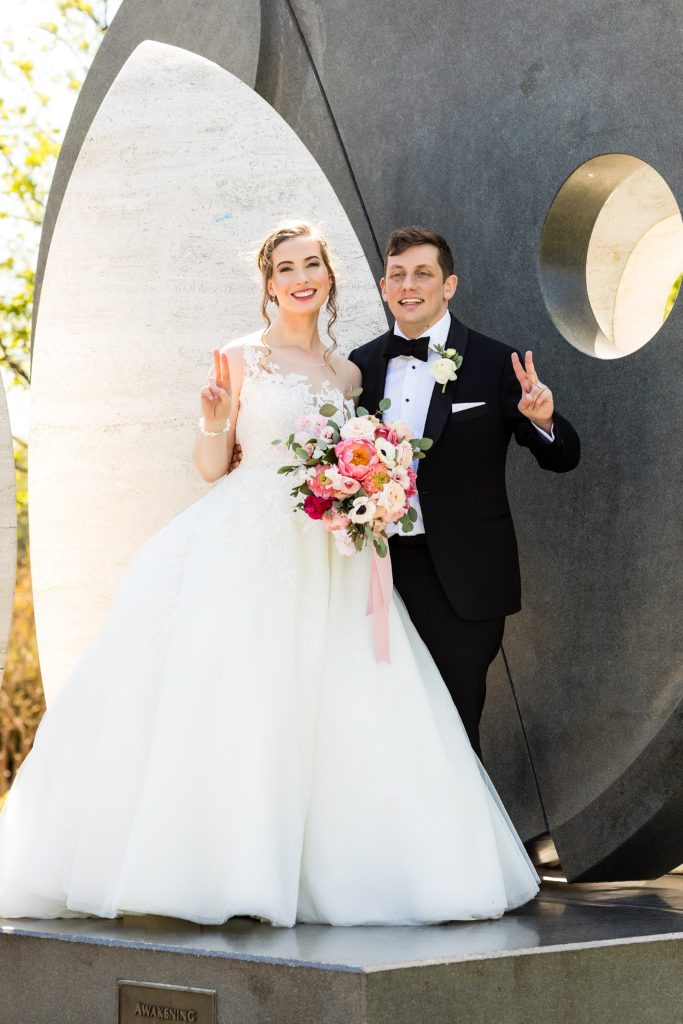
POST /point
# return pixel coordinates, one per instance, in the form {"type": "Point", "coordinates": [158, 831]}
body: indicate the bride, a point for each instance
{"type": "Point", "coordinates": [229, 745]}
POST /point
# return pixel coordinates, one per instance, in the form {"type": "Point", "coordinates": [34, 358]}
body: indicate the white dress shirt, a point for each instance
{"type": "Point", "coordinates": [409, 385]}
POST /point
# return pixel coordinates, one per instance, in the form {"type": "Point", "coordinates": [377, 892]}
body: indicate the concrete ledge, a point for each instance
{"type": "Point", "coordinates": [576, 955]}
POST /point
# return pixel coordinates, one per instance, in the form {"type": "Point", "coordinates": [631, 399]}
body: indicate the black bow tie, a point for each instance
{"type": "Point", "coordinates": [397, 346]}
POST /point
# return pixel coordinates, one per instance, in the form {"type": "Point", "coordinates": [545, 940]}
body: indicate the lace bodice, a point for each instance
{"type": "Point", "coordinates": [270, 403]}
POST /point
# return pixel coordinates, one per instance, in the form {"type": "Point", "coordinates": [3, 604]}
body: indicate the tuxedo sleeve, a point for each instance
{"type": "Point", "coordinates": [559, 455]}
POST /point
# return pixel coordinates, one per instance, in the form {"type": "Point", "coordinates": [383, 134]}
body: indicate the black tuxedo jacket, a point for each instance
{"type": "Point", "coordinates": [461, 482]}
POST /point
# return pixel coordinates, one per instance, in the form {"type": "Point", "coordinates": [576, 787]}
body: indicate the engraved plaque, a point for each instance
{"type": "Point", "coordinates": [141, 1000]}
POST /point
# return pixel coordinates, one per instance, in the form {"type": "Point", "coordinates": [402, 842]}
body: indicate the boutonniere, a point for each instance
{"type": "Point", "coordinates": [444, 370]}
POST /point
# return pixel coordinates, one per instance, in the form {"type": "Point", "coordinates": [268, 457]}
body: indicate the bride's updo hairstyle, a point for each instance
{"type": "Point", "coordinates": [282, 233]}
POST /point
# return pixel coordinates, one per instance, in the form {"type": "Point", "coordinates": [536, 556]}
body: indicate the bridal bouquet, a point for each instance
{"type": "Point", "coordinates": [356, 477]}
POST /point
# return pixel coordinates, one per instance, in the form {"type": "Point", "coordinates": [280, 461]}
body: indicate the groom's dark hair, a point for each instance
{"type": "Point", "coordinates": [405, 238]}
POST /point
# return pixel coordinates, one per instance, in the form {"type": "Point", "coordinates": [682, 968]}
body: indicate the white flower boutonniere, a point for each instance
{"type": "Point", "coordinates": [444, 370]}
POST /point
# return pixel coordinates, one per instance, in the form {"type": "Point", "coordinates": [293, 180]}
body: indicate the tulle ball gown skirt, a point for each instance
{"type": "Point", "coordinates": [230, 746]}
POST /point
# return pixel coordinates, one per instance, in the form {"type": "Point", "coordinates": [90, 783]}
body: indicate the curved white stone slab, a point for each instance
{"type": "Point", "coordinates": [8, 530]}
{"type": "Point", "coordinates": [645, 285]}
{"type": "Point", "coordinates": [183, 172]}
{"type": "Point", "coordinates": [626, 302]}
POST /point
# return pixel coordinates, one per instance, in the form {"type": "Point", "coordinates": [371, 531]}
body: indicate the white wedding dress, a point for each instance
{"type": "Point", "coordinates": [230, 746]}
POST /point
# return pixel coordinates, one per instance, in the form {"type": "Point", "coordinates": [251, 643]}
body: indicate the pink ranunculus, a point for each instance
{"type": "Point", "coordinates": [376, 478]}
{"type": "Point", "coordinates": [411, 490]}
{"type": "Point", "coordinates": [387, 433]}
{"type": "Point", "coordinates": [333, 520]}
{"type": "Point", "coordinates": [316, 507]}
{"type": "Point", "coordinates": [355, 457]}
{"type": "Point", "coordinates": [319, 482]}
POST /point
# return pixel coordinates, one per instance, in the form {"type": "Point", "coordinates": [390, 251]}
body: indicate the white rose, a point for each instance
{"type": "Point", "coordinates": [362, 511]}
{"type": "Point", "coordinates": [386, 451]}
{"type": "Point", "coordinates": [358, 428]}
{"type": "Point", "coordinates": [443, 370]}
{"type": "Point", "coordinates": [403, 429]}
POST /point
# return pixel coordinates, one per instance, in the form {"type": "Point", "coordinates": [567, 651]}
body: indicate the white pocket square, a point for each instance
{"type": "Point", "coordinates": [460, 406]}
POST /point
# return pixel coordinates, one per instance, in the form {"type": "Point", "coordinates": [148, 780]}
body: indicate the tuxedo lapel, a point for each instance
{"type": "Point", "coordinates": [375, 376]}
{"type": "Point", "coordinates": [441, 402]}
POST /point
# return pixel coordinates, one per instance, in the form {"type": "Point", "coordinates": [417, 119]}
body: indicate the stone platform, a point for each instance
{"type": "Point", "coordinates": [594, 954]}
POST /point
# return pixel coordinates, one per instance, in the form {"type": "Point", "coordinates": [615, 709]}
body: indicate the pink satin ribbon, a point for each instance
{"type": "Point", "coordinates": [381, 587]}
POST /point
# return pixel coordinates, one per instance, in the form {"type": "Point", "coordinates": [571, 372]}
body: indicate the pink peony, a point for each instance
{"type": "Point", "coordinates": [356, 457]}
{"type": "Point", "coordinates": [320, 483]}
{"type": "Point", "coordinates": [316, 507]}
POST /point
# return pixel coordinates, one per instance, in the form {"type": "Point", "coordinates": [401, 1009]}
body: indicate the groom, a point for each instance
{"type": "Point", "coordinates": [458, 571]}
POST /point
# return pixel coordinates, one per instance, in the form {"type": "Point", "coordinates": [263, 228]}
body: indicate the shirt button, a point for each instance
{"type": "Point", "coordinates": [407, 399]}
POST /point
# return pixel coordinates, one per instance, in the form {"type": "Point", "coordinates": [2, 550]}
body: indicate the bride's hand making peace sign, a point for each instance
{"type": "Point", "coordinates": [215, 395]}
{"type": "Point", "coordinates": [537, 399]}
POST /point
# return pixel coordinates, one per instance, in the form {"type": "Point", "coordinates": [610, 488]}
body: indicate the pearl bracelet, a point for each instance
{"type": "Point", "coordinates": [212, 433]}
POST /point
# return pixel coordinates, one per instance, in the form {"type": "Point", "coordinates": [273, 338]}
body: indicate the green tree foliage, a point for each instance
{"type": "Point", "coordinates": [41, 74]}
{"type": "Point", "coordinates": [21, 697]}
{"type": "Point", "coordinates": [673, 295]}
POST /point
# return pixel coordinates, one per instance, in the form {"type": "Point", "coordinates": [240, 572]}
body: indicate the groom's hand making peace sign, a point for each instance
{"type": "Point", "coordinates": [536, 402]}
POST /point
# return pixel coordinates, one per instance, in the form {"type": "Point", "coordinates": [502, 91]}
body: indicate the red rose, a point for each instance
{"type": "Point", "coordinates": [316, 507]}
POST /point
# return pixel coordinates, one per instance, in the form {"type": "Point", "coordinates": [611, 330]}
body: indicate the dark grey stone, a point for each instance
{"type": "Point", "coordinates": [469, 117]}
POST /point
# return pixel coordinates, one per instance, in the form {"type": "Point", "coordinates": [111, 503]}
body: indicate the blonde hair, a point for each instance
{"type": "Point", "coordinates": [282, 233]}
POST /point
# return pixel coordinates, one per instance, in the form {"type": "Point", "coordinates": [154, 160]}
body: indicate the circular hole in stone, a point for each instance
{"type": "Point", "coordinates": [611, 255]}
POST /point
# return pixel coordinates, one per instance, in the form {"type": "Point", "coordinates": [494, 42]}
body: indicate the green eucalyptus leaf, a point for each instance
{"type": "Point", "coordinates": [362, 411]}
{"type": "Point", "coordinates": [425, 443]}
{"type": "Point", "coordinates": [384, 404]}
{"type": "Point", "coordinates": [328, 409]}
{"type": "Point", "coordinates": [408, 528]}
{"type": "Point", "coordinates": [355, 392]}
{"type": "Point", "coordinates": [412, 514]}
